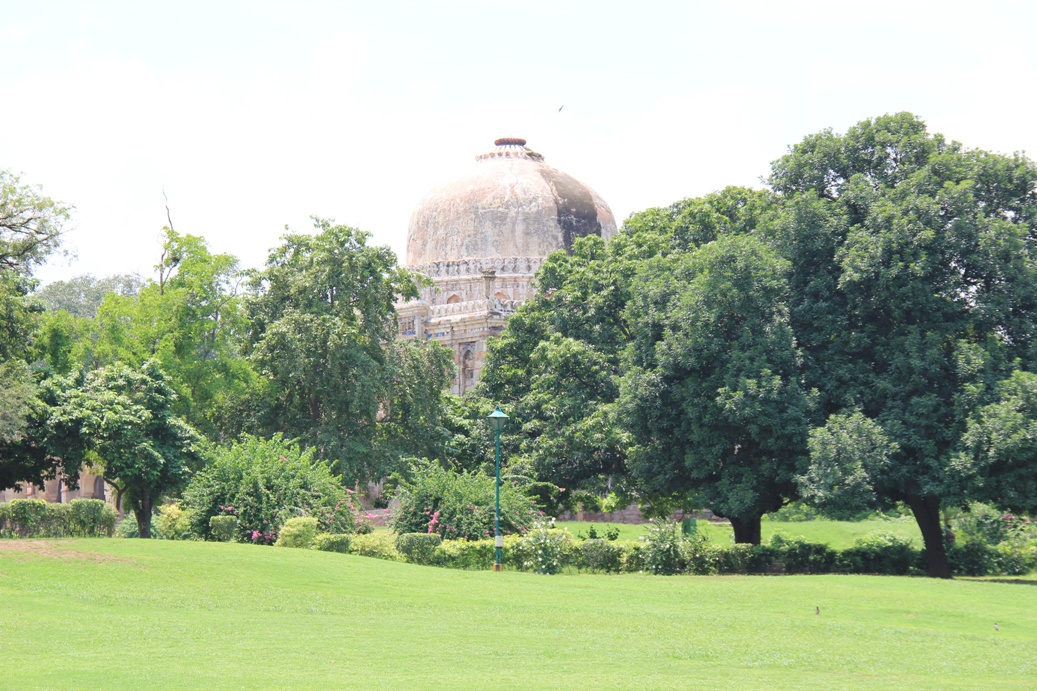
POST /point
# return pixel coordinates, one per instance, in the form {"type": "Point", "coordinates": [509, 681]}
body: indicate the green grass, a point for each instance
{"type": "Point", "coordinates": [147, 614]}
{"type": "Point", "coordinates": [836, 534]}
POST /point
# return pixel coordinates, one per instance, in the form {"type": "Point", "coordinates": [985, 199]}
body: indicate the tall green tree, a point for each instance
{"type": "Point", "coordinates": [321, 313]}
{"type": "Point", "coordinates": [913, 293]}
{"type": "Point", "coordinates": [556, 368]}
{"type": "Point", "coordinates": [31, 226]}
{"type": "Point", "coordinates": [189, 318]}
{"type": "Point", "coordinates": [122, 422]}
{"type": "Point", "coordinates": [712, 395]}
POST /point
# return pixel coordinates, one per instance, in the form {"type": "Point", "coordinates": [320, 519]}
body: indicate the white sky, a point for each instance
{"type": "Point", "coordinates": [253, 115]}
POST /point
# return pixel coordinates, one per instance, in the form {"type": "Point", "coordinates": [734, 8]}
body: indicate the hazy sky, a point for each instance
{"type": "Point", "coordinates": [253, 115]}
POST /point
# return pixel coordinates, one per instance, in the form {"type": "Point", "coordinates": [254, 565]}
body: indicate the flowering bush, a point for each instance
{"type": "Point", "coordinates": [546, 549]}
{"type": "Point", "coordinates": [458, 506]}
{"type": "Point", "coordinates": [263, 483]}
{"type": "Point", "coordinates": [662, 552]}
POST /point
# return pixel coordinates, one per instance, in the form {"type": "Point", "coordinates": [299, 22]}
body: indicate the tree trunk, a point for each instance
{"type": "Point", "coordinates": [746, 531]}
{"type": "Point", "coordinates": [927, 514]}
{"type": "Point", "coordinates": [143, 514]}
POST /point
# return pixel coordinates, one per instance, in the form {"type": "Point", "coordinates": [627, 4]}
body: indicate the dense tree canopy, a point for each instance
{"type": "Point", "coordinates": [711, 393]}
{"type": "Point", "coordinates": [321, 331]}
{"type": "Point", "coordinates": [121, 421]}
{"type": "Point", "coordinates": [913, 292]}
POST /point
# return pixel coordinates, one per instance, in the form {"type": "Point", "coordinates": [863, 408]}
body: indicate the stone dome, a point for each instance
{"type": "Point", "coordinates": [512, 205]}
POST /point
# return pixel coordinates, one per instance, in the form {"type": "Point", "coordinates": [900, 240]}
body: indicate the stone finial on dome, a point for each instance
{"type": "Point", "coordinates": [511, 147]}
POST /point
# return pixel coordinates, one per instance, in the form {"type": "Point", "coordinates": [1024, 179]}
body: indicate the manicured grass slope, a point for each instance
{"type": "Point", "coordinates": [133, 613]}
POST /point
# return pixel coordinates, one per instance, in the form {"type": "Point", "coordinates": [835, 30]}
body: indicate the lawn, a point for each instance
{"type": "Point", "coordinates": [836, 534]}
{"type": "Point", "coordinates": [146, 614]}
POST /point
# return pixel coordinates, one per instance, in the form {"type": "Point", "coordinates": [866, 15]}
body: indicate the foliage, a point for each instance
{"type": "Point", "coordinates": [332, 542]}
{"type": "Point", "coordinates": [378, 545]}
{"type": "Point", "coordinates": [913, 292]}
{"type": "Point", "coordinates": [458, 505]}
{"type": "Point", "coordinates": [550, 498]}
{"type": "Point", "coordinates": [223, 528]}
{"type": "Point", "coordinates": [476, 554]}
{"type": "Point", "coordinates": [418, 548]}
{"type": "Point", "coordinates": [263, 483]}
{"type": "Point", "coordinates": [81, 296]}
{"type": "Point", "coordinates": [174, 523]}
{"type": "Point", "coordinates": [298, 532]}
{"type": "Point", "coordinates": [661, 549]}
{"type": "Point", "coordinates": [601, 555]}
{"type": "Point", "coordinates": [880, 552]}
{"type": "Point", "coordinates": [712, 394]}
{"type": "Point", "coordinates": [993, 527]}
{"type": "Point", "coordinates": [319, 314]}
{"type": "Point", "coordinates": [92, 518]}
{"type": "Point", "coordinates": [124, 420]}
{"type": "Point", "coordinates": [189, 318]}
{"type": "Point", "coordinates": [37, 518]}
{"type": "Point", "coordinates": [31, 225]}
{"type": "Point", "coordinates": [545, 549]}
{"type": "Point", "coordinates": [799, 556]}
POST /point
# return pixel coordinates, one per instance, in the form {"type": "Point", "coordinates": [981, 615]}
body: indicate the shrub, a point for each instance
{"type": "Point", "coordinates": [972, 556]}
{"type": "Point", "coordinates": [127, 527]}
{"type": "Point", "coordinates": [549, 498]}
{"type": "Point", "coordinates": [28, 518]}
{"type": "Point", "coordinates": [743, 558]}
{"type": "Point", "coordinates": [799, 556]}
{"type": "Point", "coordinates": [458, 505]}
{"type": "Point", "coordinates": [1016, 558]}
{"type": "Point", "coordinates": [298, 532]}
{"type": "Point", "coordinates": [879, 552]}
{"type": "Point", "coordinates": [418, 548]}
{"type": "Point", "coordinates": [332, 542]}
{"type": "Point", "coordinates": [661, 548]}
{"type": "Point", "coordinates": [378, 545]}
{"type": "Point", "coordinates": [174, 523]}
{"type": "Point", "coordinates": [602, 555]}
{"type": "Point", "coordinates": [92, 517]}
{"type": "Point", "coordinates": [476, 554]}
{"type": "Point", "coordinates": [698, 555]}
{"type": "Point", "coordinates": [264, 483]}
{"type": "Point", "coordinates": [546, 550]}
{"type": "Point", "coordinates": [223, 528]}
{"type": "Point", "coordinates": [634, 558]}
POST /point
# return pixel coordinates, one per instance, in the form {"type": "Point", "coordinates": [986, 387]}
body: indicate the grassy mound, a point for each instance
{"type": "Point", "coordinates": [144, 614]}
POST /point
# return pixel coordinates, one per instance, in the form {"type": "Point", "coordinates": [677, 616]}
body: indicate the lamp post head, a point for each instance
{"type": "Point", "coordinates": [497, 418]}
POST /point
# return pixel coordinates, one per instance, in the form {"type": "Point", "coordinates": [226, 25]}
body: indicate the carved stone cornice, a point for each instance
{"type": "Point", "coordinates": [526, 266]}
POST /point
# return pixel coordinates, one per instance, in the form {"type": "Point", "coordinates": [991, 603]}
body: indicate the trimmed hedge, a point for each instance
{"type": "Point", "coordinates": [223, 528]}
{"type": "Point", "coordinates": [332, 542]}
{"type": "Point", "coordinates": [298, 532]}
{"type": "Point", "coordinates": [37, 518]}
{"type": "Point", "coordinates": [418, 548]}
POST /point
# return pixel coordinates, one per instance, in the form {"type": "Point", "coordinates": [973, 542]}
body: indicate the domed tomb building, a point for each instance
{"type": "Point", "coordinates": [480, 239]}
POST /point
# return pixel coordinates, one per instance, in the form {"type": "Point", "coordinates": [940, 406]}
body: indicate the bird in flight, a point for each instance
{"type": "Point", "coordinates": [560, 107]}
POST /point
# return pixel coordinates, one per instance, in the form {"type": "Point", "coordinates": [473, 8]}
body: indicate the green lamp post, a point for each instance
{"type": "Point", "coordinates": [497, 418]}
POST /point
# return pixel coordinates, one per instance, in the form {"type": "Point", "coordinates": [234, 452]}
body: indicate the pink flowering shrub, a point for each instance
{"type": "Point", "coordinates": [458, 506]}
{"type": "Point", "coordinates": [263, 483]}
